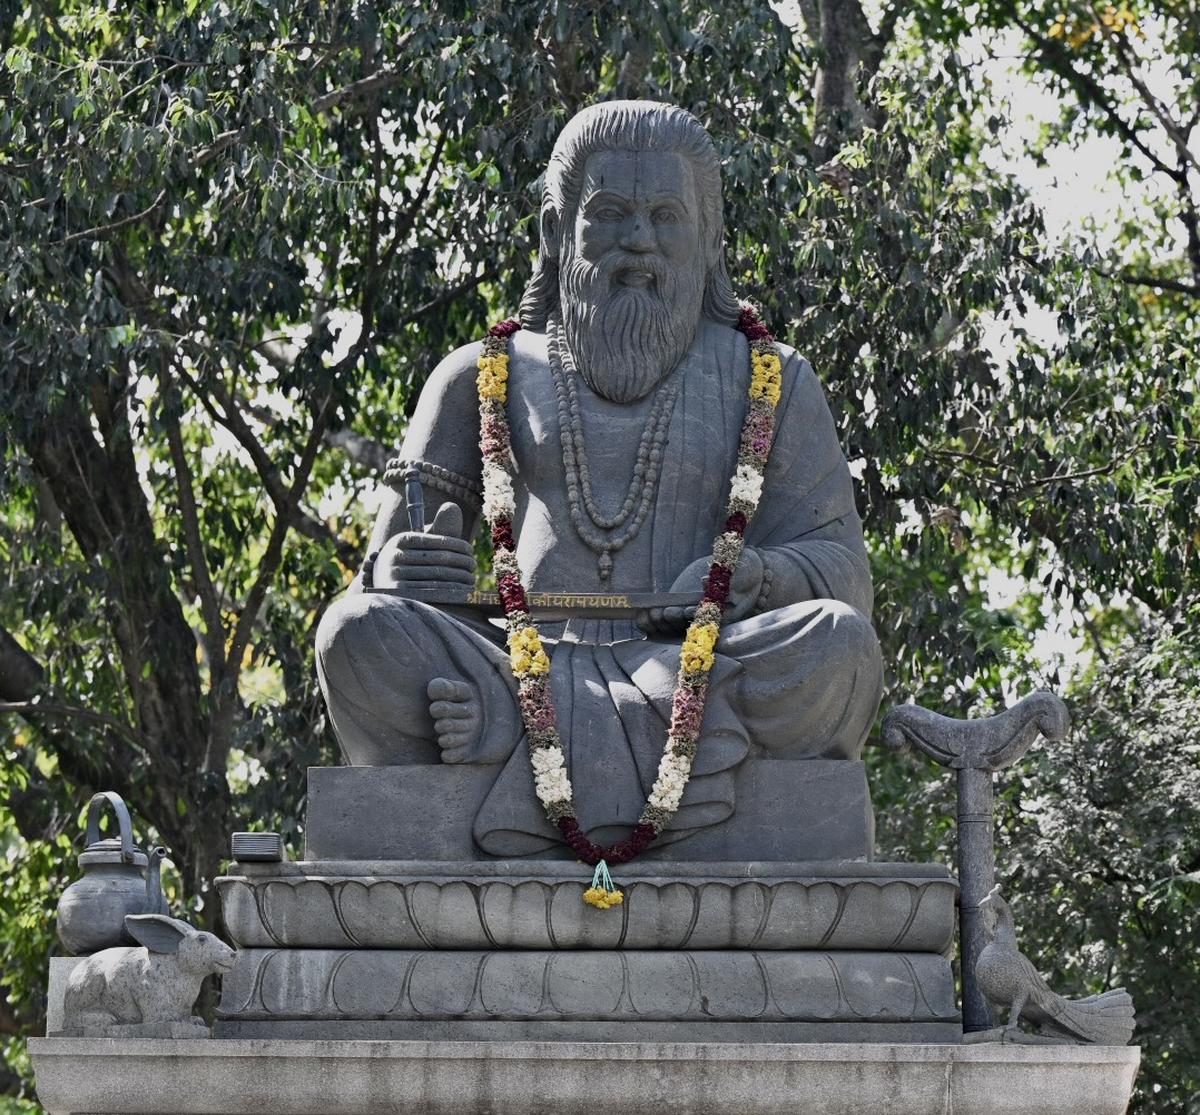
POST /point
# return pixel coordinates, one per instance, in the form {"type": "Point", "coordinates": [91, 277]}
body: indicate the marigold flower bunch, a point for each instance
{"type": "Point", "coordinates": [492, 380]}
{"type": "Point", "coordinates": [525, 653]}
{"type": "Point", "coordinates": [766, 373]}
{"type": "Point", "coordinates": [696, 654]}
{"type": "Point", "coordinates": [603, 899]}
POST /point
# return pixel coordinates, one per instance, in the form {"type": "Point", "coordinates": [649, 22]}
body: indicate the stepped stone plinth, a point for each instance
{"type": "Point", "coordinates": [727, 951]}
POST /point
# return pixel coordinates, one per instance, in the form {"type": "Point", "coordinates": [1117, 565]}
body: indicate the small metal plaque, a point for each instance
{"type": "Point", "coordinates": [257, 847]}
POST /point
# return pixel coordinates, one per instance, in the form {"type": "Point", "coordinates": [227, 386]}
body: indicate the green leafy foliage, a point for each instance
{"type": "Point", "coordinates": [1101, 835]}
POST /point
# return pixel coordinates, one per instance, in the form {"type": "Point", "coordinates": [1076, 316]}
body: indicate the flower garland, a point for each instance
{"type": "Point", "coordinates": [531, 664]}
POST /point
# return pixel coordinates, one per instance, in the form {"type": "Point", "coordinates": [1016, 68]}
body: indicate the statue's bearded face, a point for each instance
{"type": "Point", "coordinates": [632, 271]}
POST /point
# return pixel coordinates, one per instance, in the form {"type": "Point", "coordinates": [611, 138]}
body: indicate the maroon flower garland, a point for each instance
{"type": "Point", "coordinates": [531, 664]}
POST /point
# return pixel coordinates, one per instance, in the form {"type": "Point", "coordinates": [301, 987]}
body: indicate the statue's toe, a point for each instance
{"type": "Point", "coordinates": [449, 691]}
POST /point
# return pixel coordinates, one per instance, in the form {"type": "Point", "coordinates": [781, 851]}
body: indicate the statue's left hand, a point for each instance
{"type": "Point", "coordinates": [743, 592]}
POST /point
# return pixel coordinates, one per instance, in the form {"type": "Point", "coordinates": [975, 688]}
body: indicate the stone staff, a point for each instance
{"type": "Point", "coordinates": [976, 749]}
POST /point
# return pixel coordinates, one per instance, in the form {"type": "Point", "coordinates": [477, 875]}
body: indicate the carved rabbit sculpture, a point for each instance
{"type": "Point", "coordinates": [148, 991]}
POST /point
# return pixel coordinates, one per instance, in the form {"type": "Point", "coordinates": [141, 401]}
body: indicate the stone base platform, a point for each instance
{"type": "Point", "coordinates": [816, 809]}
{"type": "Point", "coordinates": [102, 1076]}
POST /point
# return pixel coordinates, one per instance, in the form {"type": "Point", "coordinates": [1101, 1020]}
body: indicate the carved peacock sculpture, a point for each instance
{"type": "Point", "coordinates": [1010, 982]}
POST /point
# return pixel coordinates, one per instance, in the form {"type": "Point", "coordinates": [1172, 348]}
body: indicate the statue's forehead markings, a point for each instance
{"type": "Point", "coordinates": [633, 174]}
{"type": "Point", "coordinates": [601, 193]}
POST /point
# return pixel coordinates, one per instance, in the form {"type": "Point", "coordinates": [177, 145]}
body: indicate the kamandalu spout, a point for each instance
{"type": "Point", "coordinates": [156, 901]}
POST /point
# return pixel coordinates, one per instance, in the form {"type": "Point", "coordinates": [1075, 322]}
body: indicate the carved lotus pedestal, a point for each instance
{"type": "Point", "coordinates": [507, 950]}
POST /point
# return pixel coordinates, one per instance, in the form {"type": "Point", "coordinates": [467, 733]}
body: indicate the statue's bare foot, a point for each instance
{"type": "Point", "coordinates": [457, 720]}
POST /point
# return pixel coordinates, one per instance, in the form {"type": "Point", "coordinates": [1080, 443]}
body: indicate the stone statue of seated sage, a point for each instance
{"type": "Point", "coordinates": [642, 438]}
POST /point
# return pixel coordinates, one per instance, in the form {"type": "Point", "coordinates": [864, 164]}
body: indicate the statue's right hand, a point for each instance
{"type": "Point", "coordinates": [428, 562]}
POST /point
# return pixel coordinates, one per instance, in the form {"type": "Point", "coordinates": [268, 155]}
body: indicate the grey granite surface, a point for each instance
{"type": "Point", "coordinates": [817, 810]}
{"type": "Point", "coordinates": [885, 907]}
{"type": "Point", "coordinates": [596, 986]}
{"type": "Point", "coordinates": [627, 391]}
{"type": "Point", "coordinates": [649, 1077]}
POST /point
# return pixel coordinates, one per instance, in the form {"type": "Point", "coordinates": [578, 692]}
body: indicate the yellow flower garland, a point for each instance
{"type": "Point", "coordinates": [696, 654]}
{"type": "Point", "coordinates": [492, 380]}
{"type": "Point", "coordinates": [766, 376]}
{"type": "Point", "coordinates": [525, 653]}
{"type": "Point", "coordinates": [603, 899]}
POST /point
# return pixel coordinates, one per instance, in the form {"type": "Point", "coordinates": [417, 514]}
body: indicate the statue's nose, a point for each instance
{"type": "Point", "coordinates": [638, 236]}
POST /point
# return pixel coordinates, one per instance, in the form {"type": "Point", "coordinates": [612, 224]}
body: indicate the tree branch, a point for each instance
{"type": "Point", "coordinates": [843, 42]}
{"type": "Point", "coordinates": [362, 450]}
{"type": "Point", "coordinates": [272, 556]}
{"type": "Point", "coordinates": [74, 712]}
{"type": "Point", "coordinates": [410, 214]}
{"type": "Point", "coordinates": [1085, 474]}
{"type": "Point", "coordinates": [21, 674]}
{"type": "Point", "coordinates": [356, 91]}
{"type": "Point", "coordinates": [379, 82]}
{"type": "Point", "coordinates": [447, 296]}
{"type": "Point", "coordinates": [1191, 223]}
{"type": "Point", "coordinates": [1155, 281]}
{"type": "Point", "coordinates": [210, 608]}
{"type": "Point", "coordinates": [1017, 487]}
{"type": "Point", "coordinates": [887, 25]}
{"type": "Point", "coordinates": [877, 44]}
{"type": "Point", "coordinates": [1091, 93]}
{"type": "Point", "coordinates": [1174, 132]}
{"type": "Point", "coordinates": [102, 231]}
{"type": "Point", "coordinates": [811, 14]}
{"type": "Point", "coordinates": [230, 415]}
{"type": "Point", "coordinates": [269, 564]}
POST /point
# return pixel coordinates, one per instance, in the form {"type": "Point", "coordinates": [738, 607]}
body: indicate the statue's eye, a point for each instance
{"type": "Point", "coordinates": [608, 213]}
{"type": "Point", "coordinates": [665, 217]}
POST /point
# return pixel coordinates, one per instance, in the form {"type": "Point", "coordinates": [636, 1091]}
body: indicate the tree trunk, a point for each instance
{"type": "Point", "coordinates": [97, 488]}
{"type": "Point", "coordinates": [849, 53]}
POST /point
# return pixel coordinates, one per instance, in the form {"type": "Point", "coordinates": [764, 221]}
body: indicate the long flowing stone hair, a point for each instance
{"type": "Point", "coordinates": [631, 126]}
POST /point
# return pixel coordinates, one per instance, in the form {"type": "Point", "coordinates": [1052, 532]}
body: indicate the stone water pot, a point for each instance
{"type": "Point", "coordinates": [118, 879]}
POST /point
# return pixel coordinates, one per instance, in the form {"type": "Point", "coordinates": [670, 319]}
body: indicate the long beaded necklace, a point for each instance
{"type": "Point", "coordinates": [528, 659]}
{"type": "Point", "coordinates": [597, 535]}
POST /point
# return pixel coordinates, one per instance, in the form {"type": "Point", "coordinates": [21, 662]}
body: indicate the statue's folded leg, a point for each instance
{"type": "Point", "coordinates": [377, 654]}
{"type": "Point", "coordinates": [811, 679]}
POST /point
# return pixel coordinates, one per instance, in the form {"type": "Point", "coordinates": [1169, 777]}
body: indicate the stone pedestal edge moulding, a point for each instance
{"type": "Point", "coordinates": [225, 1077]}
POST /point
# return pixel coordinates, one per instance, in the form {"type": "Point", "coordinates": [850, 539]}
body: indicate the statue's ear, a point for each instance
{"type": "Point", "coordinates": [713, 244]}
{"type": "Point", "coordinates": [551, 229]}
{"type": "Point", "coordinates": [157, 932]}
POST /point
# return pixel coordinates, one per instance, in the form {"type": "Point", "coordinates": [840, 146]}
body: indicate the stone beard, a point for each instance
{"type": "Point", "coordinates": [625, 340]}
